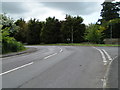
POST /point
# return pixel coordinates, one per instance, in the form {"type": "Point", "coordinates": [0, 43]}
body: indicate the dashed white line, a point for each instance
{"type": "Point", "coordinates": [61, 50]}
{"type": "Point", "coordinates": [53, 54]}
{"type": "Point", "coordinates": [50, 56]}
{"type": "Point", "coordinates": [16, 68]}
{"type": "Point", "coordinates": [107, 55]}
{"type": "Point", "coordinates": [27, 64]}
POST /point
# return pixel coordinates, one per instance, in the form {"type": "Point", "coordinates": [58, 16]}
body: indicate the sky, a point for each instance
{"type": "Point", "coordinates": [89, 11]}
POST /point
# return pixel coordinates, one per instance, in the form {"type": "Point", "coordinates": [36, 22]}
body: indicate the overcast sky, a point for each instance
{"type": "Point", "coordinates": [89, 11]}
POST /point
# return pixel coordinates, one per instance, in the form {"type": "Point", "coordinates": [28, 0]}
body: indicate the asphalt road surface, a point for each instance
{"type": "Point", "coordinates": [58, 67]}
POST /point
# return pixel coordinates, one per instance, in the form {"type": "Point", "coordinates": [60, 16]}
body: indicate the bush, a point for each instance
{"type": "Point", "coordinates": [94, 33]}
{"type": "Point", "coordinates": [9, 44]}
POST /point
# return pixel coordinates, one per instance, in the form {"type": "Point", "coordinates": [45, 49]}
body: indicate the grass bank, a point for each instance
{"type": "Point", "coordinates": [77, 44]}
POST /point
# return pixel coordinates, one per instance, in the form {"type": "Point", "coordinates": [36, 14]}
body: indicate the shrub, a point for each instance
{"type": "Point", "coordinates": [94, 33]}
{"type": "Point", "coordinates": [9, 44]}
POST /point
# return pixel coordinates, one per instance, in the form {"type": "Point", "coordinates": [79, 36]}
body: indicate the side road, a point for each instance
{"type": "Point", "coordinates": [29, 50]}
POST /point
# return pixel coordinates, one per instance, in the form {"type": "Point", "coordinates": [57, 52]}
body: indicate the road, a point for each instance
{"type": "Point", "coordinates": [58, 67]}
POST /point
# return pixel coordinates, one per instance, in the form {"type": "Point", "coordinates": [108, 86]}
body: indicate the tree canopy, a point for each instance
{"type": "Point", "coordinates": [73, 29]}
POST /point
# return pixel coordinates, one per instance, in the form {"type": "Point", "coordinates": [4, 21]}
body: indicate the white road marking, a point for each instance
{"type": "Point", "coordinates": [53, 54]}
{"type": "Point", "coordinates": [115, 57]}
{"type": "Point", "coordinates": [61, 50]}
{"type": "Point", "coordinates": [16, 68]}
{"type": "Point", "coordinates": [108, 67]}
{"type": "Point", "coordinates": [104, 82]}
{"type": "Point", "coordinates": [107, 55]}
{"type": "Point", "coordinates": [103, 56]}
{"type": "Point", "coordinates": [50, 56]}
{"type": "Point", "coordinates": [106, 74]}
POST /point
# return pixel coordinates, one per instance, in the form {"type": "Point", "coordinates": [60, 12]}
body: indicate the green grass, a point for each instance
{"type": "Point", "coordinates": [77, 44]}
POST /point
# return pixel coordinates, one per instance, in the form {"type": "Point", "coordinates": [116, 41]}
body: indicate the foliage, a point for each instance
{"type": "Point", "coordinates": [110, 11]}
{"type": "Point", "coordinates": [51, 31]}
{"type": "Point", "coordinates": [21, 34]}
{"type": "Point", "coordinates": [94, 33]}
{"type": "Point", "coordinates": [9, 44]}
{"type": "Point", "coordinates": [6, 21]}
{"type": "Point", "coordinates": [33, 32]}
{"type": "Point", "coordinates": [112, 28]}
{"type": "Point", "coordinates": [114, 25]}
{"type": "Point", "coordinates": [72, 27]}
{"type": "Point", "coordinates": [7, 30]}
{"type": "Point", "coordinates": [110, 19]}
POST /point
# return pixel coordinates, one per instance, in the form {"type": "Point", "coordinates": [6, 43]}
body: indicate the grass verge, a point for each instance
{"type": "Point", "coordinates": [76, 44]}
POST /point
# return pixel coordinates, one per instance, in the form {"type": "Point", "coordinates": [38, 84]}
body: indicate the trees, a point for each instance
{"type": "Point", "coordinates": [33, 32]}
{"type": "Point", "coordinates": [72, 29]}
{"type": "Point", "coordinates": [8, 22]}
{"type": "Point", "coordinates": [51, 31]}
{"type": "Point", "coordinates": [114, 26]}
{"type": "Point", "coordinates": [9, 44]}
{"type": "Point", "coordinates": [94, 33]}
{"type": "Point", "coordinates": [7, 29]}
{"type": "Point", "coordinates": [21, 34]}
{"type": "Point", "coordinates": [109, 12]}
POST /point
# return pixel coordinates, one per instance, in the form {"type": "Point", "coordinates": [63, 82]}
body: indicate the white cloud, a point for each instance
{"type": "Point", "coordinates": [89, 11]}
{"type": "Point", "coordinates": [52, 0]}
{"type": "Point", "coordinates": [38, 11]}
{"type": "Point", "coordinates": [93, 18]}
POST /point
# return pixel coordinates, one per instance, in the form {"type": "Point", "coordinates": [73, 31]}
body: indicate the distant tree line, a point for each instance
{"type": "Point", "coordinates": [70, 30]}
{"type": "Point", "coordinates": [51, 31]}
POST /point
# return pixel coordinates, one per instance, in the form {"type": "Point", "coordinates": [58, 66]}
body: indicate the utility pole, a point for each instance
{"type": "Point", "coordinates": [72, 35]}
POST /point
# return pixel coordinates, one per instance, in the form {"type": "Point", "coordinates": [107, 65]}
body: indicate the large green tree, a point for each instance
{"type": "Point", "coordinates": [73, 29]}
{"type": "Point", "coordinates": [51, 31]}
{"type": "Point", "coordinates": [94, 33]}
{"type": "Point", "coordinates": [6, 22]}
{"type": "Point", "coordinates": [33, 32]}
{"type": "Point", "coordinates": [7, 30]}
{"type": "Point", "coordinates": [109, 12]}
{"type": "Point", "coordinates": [21, 34]}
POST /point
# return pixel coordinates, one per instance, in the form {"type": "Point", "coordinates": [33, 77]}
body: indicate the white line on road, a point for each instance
{"type": "Point", "coordinates": [103, 56]}
{"type": "Point", "coordinates": [107, 55]}
{"type": "Point", "coordinates": [115, 57]}
{"type": "Point", "coordinates": [50, 56]}
{"type": "Point", "coordinates": [106, 74]}
{"type": "Point", "coordinates": [61, 50]}
{"type": "Point", "coordinates": [16, 68]}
